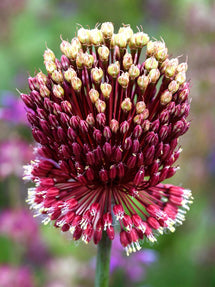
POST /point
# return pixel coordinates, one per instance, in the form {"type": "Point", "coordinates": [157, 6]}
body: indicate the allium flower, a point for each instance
{"type": "Point", "coordinates": [107, 126]}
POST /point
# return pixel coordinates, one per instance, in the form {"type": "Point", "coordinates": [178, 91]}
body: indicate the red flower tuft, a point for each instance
{"type": "Point", "coordinates": [107, 127]}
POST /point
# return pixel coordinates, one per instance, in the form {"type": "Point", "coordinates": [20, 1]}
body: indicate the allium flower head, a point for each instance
{"type": "Point", "coordinates": [107, 127]}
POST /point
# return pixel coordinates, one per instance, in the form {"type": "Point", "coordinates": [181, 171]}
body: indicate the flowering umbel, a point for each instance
{"type": "Point", "coordinates": [107, 127]}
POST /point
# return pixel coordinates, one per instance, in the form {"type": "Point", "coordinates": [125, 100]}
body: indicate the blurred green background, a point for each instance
{"type": "Point", "coordinates": [185, 258]}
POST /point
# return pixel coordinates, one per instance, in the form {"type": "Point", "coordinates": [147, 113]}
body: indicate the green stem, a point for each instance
{"type": "Point", "coordinates": [103, 262]}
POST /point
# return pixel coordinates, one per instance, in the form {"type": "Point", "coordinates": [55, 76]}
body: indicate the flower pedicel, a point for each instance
{"type": "Point", "coordinates": [107, 128]}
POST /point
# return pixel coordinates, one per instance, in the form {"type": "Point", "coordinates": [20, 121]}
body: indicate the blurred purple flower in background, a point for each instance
{"type": "Point", "coordinates": [12, 109]}
{"type": "Point", "coordinates": [19, 225]}
{"type": "Point", "coordinates": [15, 277]}
{"type": "Point", "coordinates": [134, 267]}
{"type": "Point", "coordinates": [13, 154]}
{"type": "Point", "coordinates": [211, 163]}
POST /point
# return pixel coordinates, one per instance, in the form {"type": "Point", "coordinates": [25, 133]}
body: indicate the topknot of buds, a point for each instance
{"type": "Point", "coordinates": [107, 136]}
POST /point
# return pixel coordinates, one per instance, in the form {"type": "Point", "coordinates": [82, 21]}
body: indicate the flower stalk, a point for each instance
{"type": "Point", "coordinates": [103, 262]}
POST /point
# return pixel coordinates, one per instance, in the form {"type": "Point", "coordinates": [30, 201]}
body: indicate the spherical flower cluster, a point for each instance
{"type": "Point", "coordinates": [107, 127]}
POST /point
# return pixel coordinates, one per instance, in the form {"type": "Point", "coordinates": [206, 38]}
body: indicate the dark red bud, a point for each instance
{"type": "Point", "coordinates": [101, 119]}
{"type": "Point", "coordinates": [163, 132]}
{"type": "Point", "coordinates": [71, 134]}
{"type": "Point", "coordinates": [65, 62]}
{"type": "Point", "coordinates": [155, 125]}
{"type": "Point", "coordinates": [64, 118]}
{"type": "Point", "coordinates": [107, 149]}
{"type": "Point", "coordinates": [42, 113]}
{"type": "Point", "coordinates": [127, 143]}
{"type": "Point", "coordinates": [118, 154]}
{"type": "Point", "coordinates": [97, 135]}
{"type": "Point", "coordinates": [124, 127]}
{"type": "Point", "coordinates": [110, 232]}
{"type": "Point", "coordinates": [53, 120]}
{"type": "Point", "coordinates": [153, 222]}
{"type": "Point", "coordinates": [137, 131]}
{"type": "Point", "coordinates": [107, 133]}
{"type": "Point", "coordinates": [121, 170]}
{"type": "Point", "coordinates": [74, 122]}
{"type": "Point", "coordinates": [83, 126]}
{"type": "Point", "coordinates": [76, 148]}
{"type": "Point", "coordinates": [135, 146]}
{"type": "Point", "coordinates": [103, 174]}
{"type": "Point", "coordinates": [29, 102]}
{"type": "Point", "coordinates": [164, 117]}
{"type": "Point", "coordinates": [131, 161]}
{"type": "Point", "coordinates": [149, 154]}
{"type": "Point", "coordinates": [139, 177]}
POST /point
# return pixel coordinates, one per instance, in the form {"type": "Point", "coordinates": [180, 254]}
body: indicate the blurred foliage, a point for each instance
{"type": "Point", "coordinates": [186, 258]}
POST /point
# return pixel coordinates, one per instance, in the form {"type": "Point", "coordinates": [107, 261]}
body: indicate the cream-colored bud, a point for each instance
{"type": "Point", "coordinates": [103, 52]}
{"type": "Point", "coordinates": [65, 47]}
{"type": "Point", "coordinates": [76, 43]}
{"type": "Point", "coordinates": [134, 72]}
{"type": "Point", "coordinates": [41, 78]}
{"type": "Point", "coordinates": [50, 66]}
{"type": "Point", "coordinates": [166, 98]}
{"type": "Point", "coordinates": [113, 41]}
{"type": "Point", "coordinates": [113, 69]}
{"type": "Point", "coordinates": [57, 76]}
{"type": "Point", "coordinates": [123, 80]}
{"type": "Point", "coordinates": [97, 74]}
{"type": "Point", "coordinates": [90, 119]}
{"type": "Point", "coordinates": [143, 82]}
{"type": "Point", "coordinates": [100, 106]}
{"type": "Point", "coordinates": [84, 36]}
{"type": "Point", "coordinates": [127, 61]}
{"type": "Point", "coordinates": [180, 77]}
{"type": "Point", "coordinates": [76, 84]}
{"type": "Point", "coordinates": [73, 52]}
{"type": "Point", "coordinates": [114, 125]}
{"type": "Point", "coordinates": [161, 52]}
{"type": "Point", "coordinates": [173, 86]}
{"type": "Point", "coordinates": [141, 39]}
{"type": "Point", "coordinates": [58, 91]}
{"type": "Point", "coordinates": [121, 40]}
{"type": "Point", "coordinates": [151, 63]}
{"type": "Point", "coordinates": [164, 65]}
{"type": "Point", "coordinates": [69, 74]}
{"type": "Point", "coordinates": [94, 95]}
{"type": "Point", "coordinates": [182, 67]}
{"type": "Point", "coordinates": [73, 48]}
{"type": "Point", "coordinates": [126, 31]}
{"type": "Point", "coordinates": [171, 68]}
{"type": "Point", "coordinates": [140, 107]}
{"type": "Point", "coordinates": [126, 105]}
{"type": "Point", "coordinates": [88, 60]}
{"type": "Point", "coordinates": [154, 75]}
{"type": "Point", "coordinates": [96, 37]}
{"type": "Point", "coordinates": [132, 42]}
{"type": "Point", "coordinates": [44, 91]}
{"type": "Point", "coordinates": [150, 48]}
{"type": "Point", "coordinates": [49, 55]}
{"type": "Point", "coordinates": [80, 60]}
{"type": "Point", "coordinates": [106, 90]}
{"type": "Point", "coordinates": [107, 29]}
